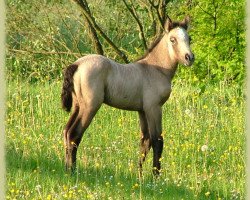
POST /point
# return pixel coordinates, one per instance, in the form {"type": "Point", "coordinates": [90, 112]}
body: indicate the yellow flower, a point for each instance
{"type": "Point", "coordinates": [97, 165]}
{"type": "Point", "coordinates": [207, 194]}
{"type": "Point", "coordinates": [195, 78]}
{"type": "Point", "coordinates": [135, 186]}
{"type": "Point", "coordinates": [65, 187]}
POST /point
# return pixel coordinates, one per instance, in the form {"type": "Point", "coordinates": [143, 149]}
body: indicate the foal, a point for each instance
{"type": "Point", "coordinates": [142, 86]}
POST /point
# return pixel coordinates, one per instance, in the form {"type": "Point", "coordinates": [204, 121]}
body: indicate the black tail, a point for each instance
{"type": "Point", "coordinates": [68, 87]}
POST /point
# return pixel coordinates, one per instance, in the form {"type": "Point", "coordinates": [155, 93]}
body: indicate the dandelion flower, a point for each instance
{"type": "Point", "coordinates": [187, 112]}
{"type": "Point", "coordinates": [204, 147]}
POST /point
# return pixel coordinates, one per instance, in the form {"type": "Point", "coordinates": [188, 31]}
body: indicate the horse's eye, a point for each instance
{"type": "Point", "coordinates": [172, 40]}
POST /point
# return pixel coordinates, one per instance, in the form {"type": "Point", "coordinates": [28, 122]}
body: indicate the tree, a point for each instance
{"type": "Point", "coordinates": [156, 10]}
{"type": "Point", "coordinates": [43, 37]}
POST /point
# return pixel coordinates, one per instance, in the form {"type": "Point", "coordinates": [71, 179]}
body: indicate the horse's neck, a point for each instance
{"type": "Point", "coordinates": [159, 58]}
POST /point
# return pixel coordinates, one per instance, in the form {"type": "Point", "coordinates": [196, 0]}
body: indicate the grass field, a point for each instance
{"type": "Point", "coordinates": [203, 157]}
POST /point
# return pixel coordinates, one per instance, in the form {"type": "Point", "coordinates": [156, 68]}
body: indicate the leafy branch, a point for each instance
{"type": "Point", "coordinates": [95, 28]}
{"type": "Point", "coordinates": [133, 12]}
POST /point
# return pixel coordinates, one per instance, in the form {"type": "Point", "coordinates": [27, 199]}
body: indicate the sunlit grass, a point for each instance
{"type": "Point", "coordinates": [203, 157]}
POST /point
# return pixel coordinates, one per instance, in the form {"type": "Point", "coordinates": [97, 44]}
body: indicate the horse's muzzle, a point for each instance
{"type": "Point", "coordinates": [189, 59]}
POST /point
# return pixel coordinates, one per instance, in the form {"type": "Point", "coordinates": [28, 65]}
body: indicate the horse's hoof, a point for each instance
{"type": "Point", "coordinates": [70, 169]}
{"type": "Point", "coordinates": [156, 172]}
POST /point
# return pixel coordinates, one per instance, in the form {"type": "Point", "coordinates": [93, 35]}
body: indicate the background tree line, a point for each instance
{"type": "Point", "coordinates": [43, 37]}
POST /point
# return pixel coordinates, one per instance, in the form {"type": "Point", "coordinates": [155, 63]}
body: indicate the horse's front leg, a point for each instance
{"type": "Point", "coordinates": [154, 119]}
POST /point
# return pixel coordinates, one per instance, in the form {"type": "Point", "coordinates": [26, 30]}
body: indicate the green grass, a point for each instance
{"type": "Point", "coordinates": [193, 117]}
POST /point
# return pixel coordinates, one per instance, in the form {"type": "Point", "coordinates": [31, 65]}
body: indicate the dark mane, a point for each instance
{"type": "Point", "coordinates": [179, 24]}
{"type": "Point", "coordinates": [151, 47]}
{"type": "Point", "coordinates": [174, 24]}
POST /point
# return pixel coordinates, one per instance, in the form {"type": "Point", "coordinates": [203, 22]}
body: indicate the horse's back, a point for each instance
{"type": "Point", "coordinates": [92, 64]}
{"type": "Point", "coordinates": [121, 85]}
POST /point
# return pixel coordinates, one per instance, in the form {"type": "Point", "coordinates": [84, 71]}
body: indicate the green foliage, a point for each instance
{"type": "Point", "coordinates": [35, 40]}
{"type": "Point", "coordinates": [53, 34]}
{"type": "Point", "coordinates": [218, 39]}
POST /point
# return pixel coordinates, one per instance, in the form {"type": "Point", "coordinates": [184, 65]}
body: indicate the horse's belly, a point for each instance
{"type": "Point", "coordinates": [123, 101]}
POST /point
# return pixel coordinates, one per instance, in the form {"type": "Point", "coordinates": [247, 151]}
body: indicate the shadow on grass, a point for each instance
{"type": "Point", "coordinates": [114, 183]}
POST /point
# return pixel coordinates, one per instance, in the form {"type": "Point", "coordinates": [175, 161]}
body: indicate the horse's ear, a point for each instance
{"type": "Point", "coordinates": [185, 22]}
{"type": "Point", "coordinates": [168, 25]}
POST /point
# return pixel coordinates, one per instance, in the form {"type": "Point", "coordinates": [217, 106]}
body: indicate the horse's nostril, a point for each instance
{"type": "Point", "coordinates": [187, 57]}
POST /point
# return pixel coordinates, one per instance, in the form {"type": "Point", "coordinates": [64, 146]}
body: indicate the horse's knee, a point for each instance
{"type": "Point", "coordinates": [161, 142]}
{"type": "Point", "coordinates": [157, 142]}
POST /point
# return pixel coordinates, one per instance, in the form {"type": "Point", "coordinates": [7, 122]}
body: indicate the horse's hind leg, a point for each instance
{"type": "Point", "coordinates": [145, 142]}
{"type": "Point", "coordinates": [70, 123]}
{"type": "Point", "coordinates": [75, 133]}
{"type": "Point", "coordinates": [71, 128]}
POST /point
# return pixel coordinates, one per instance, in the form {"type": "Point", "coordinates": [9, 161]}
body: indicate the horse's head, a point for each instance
{"type": "Point", "coordinates": [178, 41]}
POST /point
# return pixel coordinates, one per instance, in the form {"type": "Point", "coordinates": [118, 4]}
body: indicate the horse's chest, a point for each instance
{"type": "Point", "coordinates": [164, 93]}
{"type": "Point", "coordinates": [158, 93]}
